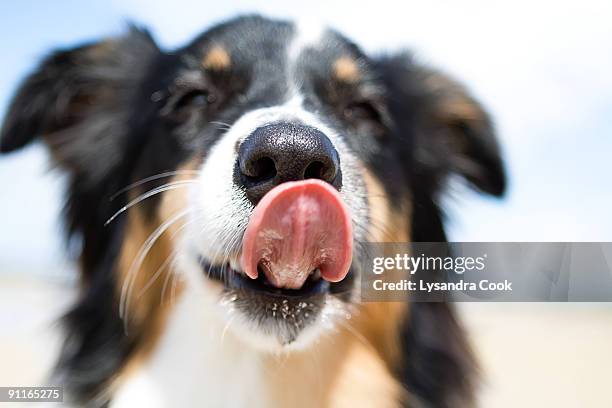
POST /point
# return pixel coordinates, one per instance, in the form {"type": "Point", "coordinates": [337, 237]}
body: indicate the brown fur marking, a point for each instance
{"type": "Point", "coordinates": [380, 322]}
{"type": "Point", "coordinates": [217, 59]}
{"type": "Point", "coordinates": [341, 370]}
{"type": "Point", "coordinates": [345, 69]}
{"type": "Point", "coordinates": [148, 308]}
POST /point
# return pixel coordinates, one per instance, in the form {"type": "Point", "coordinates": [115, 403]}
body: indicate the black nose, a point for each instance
{"type": "Point", "coordinates": [277, 153]}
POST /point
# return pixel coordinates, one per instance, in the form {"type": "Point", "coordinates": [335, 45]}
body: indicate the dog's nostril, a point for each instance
{"type": "Point", "coordinates": [261, 170]}
{"type": "Point", "coordinates": [315, 170]}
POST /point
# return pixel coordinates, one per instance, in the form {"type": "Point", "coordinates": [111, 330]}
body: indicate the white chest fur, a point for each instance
{"type": "Point", "coordinates": [198, 362]}
{"type": "Point", "coordinates": [195, 364]}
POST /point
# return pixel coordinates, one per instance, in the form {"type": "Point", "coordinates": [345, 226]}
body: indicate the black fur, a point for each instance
{"type": "Point", "coordinates": [438, 365]}
{"type": "Point", "coordinates": [118, 111]}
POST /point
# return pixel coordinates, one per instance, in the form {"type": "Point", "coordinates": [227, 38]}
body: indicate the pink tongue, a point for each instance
{"type": "Point", "coordinates": [297, 227]}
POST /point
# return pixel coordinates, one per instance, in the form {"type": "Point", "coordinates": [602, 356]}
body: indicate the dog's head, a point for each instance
{"type": "Point", "coordinates": [257, 159]}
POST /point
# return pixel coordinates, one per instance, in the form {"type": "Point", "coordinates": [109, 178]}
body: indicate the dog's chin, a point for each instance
{"type": "Point", "coordinates": [274, 336]}
{"type": "Point", "coordinates": [277, 320]}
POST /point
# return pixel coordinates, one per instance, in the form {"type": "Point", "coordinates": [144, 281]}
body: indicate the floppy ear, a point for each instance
{"type": "Point", "coordinates": [76, 100]}
{"type": "Point", "coordinates": [457, 134]}
{"type": "Point", "coordinates": [446, 132]}
{"type": "Point", "coordinates": [453, 134]}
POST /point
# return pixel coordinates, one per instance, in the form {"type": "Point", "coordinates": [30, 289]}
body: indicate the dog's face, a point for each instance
{"type": "Point", "coordinates": [261, 155]}
{"type": "Point", "coordinates": [311, 109]}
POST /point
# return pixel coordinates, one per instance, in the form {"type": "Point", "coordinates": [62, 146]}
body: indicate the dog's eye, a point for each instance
{"type": "Point", "coordinates": [362, 111]}
{"type": "Point", "coordinates": [195, 98]}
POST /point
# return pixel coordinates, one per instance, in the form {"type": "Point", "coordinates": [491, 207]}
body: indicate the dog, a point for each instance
{"type": "Point", "coordinates": [220, 194]}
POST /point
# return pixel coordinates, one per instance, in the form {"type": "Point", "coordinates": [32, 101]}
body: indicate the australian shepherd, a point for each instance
{"type": "Point", "coordinates": [220, 195]}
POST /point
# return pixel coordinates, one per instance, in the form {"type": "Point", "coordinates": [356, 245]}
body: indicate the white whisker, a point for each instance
{"type": "Point", "coordinates": [137, 263]}
{"type": "Point", "coordinates": [175, 279]}
{"type": "Point", "coordinates": [225, 328]}
{"type": "Point", "coordinates": [355, 333]}
{"type": "Point", "coordinates": [152, 178]}
{"type": "Point", "coordinates": [150, 193]}
{"type": "Point", "coordinates": [156, 275]}
{"type": "Point", "coordinates": [222, 125]}
{"type": "Point", "coordinates": [170, 258]}
{"type": "Point", "coordinates": [165, 285]}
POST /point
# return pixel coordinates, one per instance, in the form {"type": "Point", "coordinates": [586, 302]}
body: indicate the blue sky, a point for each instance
{"type": "Point", "coordinates": [542, 69]}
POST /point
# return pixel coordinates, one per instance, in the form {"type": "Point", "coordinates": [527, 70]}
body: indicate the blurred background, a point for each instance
{"type": "Point", "coordinates": [541, 68]}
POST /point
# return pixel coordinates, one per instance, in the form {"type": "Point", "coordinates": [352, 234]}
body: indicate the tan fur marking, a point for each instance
{"type": "Point", "coordinates": [148, 309]}
{"type": "Point", "coordinates": [453, 102]}
{"type": "Point", "coordinates": [346, 70]}
{"type": "Point", "coordinates": [343, 369]}
{"type": "Point", "coordinates": [217, 59]}
{"type": "Point", "coordinates": [387, 225]}
{"type": "Point", "coordinates": [101, 49]}
{"type": "Point", "coordinates": [379, 322]}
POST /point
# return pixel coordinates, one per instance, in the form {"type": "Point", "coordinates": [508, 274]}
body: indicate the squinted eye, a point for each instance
{"type": "Point", "coordinates": [195, 98]}
{"type": "Point", "coordinates": [361, 111]}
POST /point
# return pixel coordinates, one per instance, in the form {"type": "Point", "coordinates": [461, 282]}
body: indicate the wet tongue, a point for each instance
{"type": "Point", "coordinates": [298, 227]}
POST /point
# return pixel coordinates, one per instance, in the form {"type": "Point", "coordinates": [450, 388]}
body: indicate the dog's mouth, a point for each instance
{"type": "Point", "coordinates": [278, 312]}
{"type": "Point", "coordinates": [296, 250]}
{"type": "Point", "coordinates": [236, 281]}
{"type": "Point", "coordinates": [298, 240]}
